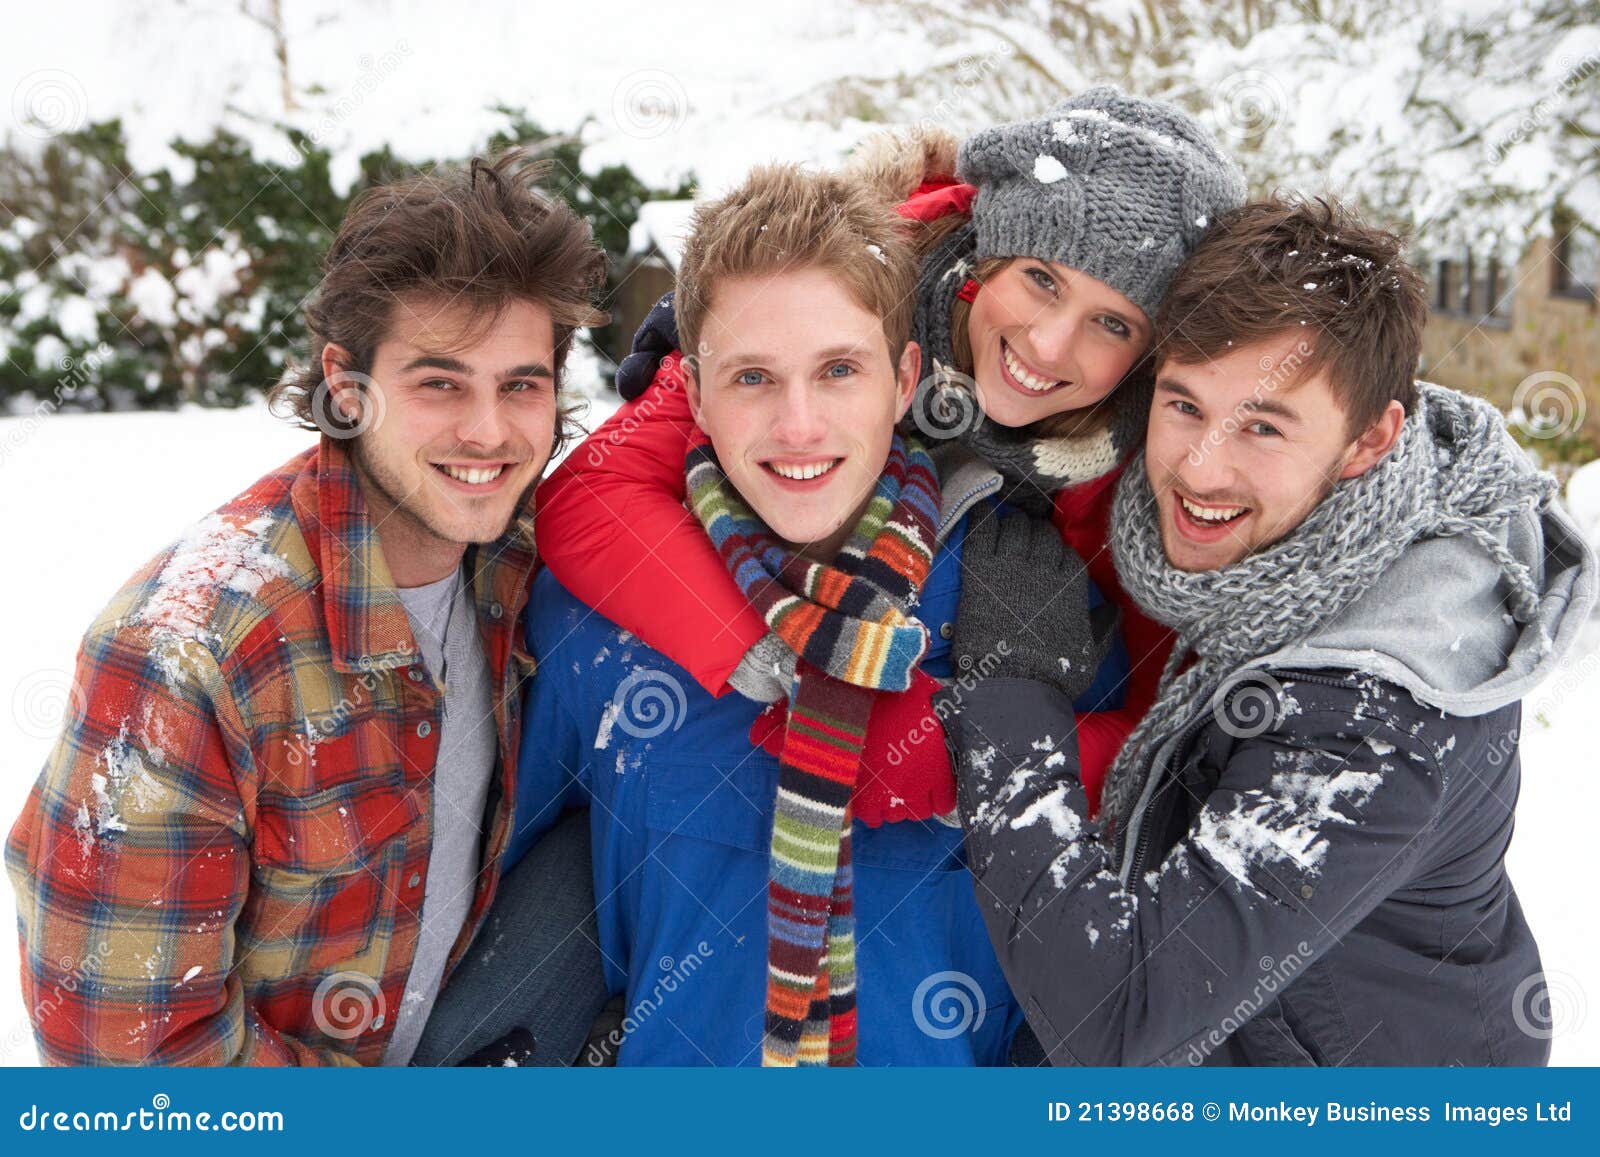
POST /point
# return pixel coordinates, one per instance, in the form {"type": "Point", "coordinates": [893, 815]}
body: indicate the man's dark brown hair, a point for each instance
{"type": "Point", "coordinates": [482, 236]}
{"type": "Point", "coordinates": [1280, 265]}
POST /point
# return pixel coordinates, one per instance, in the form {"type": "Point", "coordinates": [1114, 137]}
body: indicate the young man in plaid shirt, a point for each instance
{"type": "Point", "coordinates": [274, 824]}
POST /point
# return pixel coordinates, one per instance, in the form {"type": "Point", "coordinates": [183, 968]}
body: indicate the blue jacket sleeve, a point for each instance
{"type": "Point", "coordinates": [552, 767]}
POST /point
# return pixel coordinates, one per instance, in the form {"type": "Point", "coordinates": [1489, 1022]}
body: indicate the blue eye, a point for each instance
{"type": "Point", "coordinates": [1042, 279]}
{"type": "Point", "coordinates": [845, 366]}
{"type": "Point", "coordinates": [1264, 429]}
{"type": "Point", "coordinates": [438, 384]}
{"type": "Point", "coordinates": [1116, 325]}
{"type": "Point", "coordinates": [751, 378]}
{"type": "Point", "coordinates": [1189, 409]}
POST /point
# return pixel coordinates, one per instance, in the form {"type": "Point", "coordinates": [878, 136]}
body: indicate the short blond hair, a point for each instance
{"type": "Point", "coordinates": [786, 218]}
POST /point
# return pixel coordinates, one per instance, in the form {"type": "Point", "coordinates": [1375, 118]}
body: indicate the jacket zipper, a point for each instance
{"type": "Point", "coordinates": [1136, 821]}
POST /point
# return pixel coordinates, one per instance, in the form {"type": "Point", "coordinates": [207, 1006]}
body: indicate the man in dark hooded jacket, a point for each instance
{"type": "Point", "coordinates": [1299, 856]}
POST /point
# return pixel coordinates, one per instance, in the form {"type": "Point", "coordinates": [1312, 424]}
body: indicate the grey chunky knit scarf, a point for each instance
{"type": "Point", "coordinates": [1033, 464]}
{"type": "Point", "coordinates": [1454, 471]}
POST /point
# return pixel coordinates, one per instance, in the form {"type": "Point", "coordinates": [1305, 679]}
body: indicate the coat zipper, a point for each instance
{"type": "Point", "coordinates": [1135, 822]}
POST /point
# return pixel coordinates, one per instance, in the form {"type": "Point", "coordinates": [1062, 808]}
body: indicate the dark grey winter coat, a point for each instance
{"type": "Point", "coordinates": [1321, 884]}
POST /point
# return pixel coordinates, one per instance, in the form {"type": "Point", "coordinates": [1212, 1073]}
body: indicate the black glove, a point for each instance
{"type": "Point", "coordinates": [1024, 610]}
{"type": "Point", "coordinates": [657, 337]}
{"type": "Point", "coordinates": [513, 1050]}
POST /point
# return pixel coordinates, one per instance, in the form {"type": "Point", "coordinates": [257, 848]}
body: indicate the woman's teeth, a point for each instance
{"type": "Point", "coordinates": [474, 476]}
{"type": "Point", "coordinates": [1211, 513]}
{"type": "Point", "coordinates": [1020, 372]}
{"type": "Point", "coordinates": [801, 473]}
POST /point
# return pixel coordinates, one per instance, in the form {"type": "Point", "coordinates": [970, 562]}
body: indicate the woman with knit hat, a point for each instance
{"type": "Point", "coordinates": [1047, 245]}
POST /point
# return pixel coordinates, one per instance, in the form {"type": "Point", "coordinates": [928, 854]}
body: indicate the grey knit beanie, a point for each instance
{"type": "Point", "coordinates": [1118, 187]}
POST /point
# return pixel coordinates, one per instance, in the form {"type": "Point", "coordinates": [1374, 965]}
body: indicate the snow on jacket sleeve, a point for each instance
{"type": "Point", "coordinates": [613, 528]}
{"type": "Point", "coordinates": [131, 863]}
{"type": "Point", "coordinates": [1303, 835]}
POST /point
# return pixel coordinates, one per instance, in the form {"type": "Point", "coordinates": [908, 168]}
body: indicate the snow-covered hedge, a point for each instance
{"type": "Point", "coordinates": [122, 289]}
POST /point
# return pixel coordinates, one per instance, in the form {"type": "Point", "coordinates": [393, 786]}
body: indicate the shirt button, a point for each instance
{"type": "Point", "coordinates": [424, 729]}
{"type": "Point", "coordinates": [1307, 891]}
{"type": "Point", "coordinates": [416, 878]}
{"type": "Point", "coordinates": [495, 610]}
{"type": "Point", "coordinates": [414, 674]}
{"type": "Point", "coordinates": [377, 1022]}
{"type": "Point", "coordinates": [946, 630]}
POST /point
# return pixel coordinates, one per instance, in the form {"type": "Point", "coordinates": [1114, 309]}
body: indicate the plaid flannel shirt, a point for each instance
{"type": "Point", "coordinates": [224, 857]}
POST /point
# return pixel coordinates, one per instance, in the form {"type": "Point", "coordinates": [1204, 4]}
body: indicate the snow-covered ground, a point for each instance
{"type": "Point", "coordinates": [85, 499]}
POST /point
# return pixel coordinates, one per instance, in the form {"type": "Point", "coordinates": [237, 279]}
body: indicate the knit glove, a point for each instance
{"type": "Point", "coordinates": [1024, 609]}
{"type": "Point", "coordinates": [905, 769]}
{"type": "Point", "coordinates": [657, 337]}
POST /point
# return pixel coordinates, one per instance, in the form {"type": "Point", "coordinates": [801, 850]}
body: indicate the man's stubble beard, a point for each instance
{"type": "Point", "coordinates": [375, 480]}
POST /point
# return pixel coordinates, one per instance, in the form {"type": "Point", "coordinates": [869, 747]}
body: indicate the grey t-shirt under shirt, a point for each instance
{"type": "Point", "coordinates": [446, 629]}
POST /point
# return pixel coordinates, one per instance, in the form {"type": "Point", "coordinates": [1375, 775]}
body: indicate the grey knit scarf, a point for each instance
{"type": "Point", "coordinates": [1034, 465]}
{"type": "Point", "coordinates": [1453, 471]}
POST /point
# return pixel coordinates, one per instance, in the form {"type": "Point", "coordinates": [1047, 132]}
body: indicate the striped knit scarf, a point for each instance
{"type": "Point", "coordinates": [850, 627]}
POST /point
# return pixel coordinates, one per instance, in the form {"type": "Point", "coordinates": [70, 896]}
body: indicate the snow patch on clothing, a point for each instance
{"type": "Point", "coordinates": [212, 555]}
{"type": "Point", "coordinates": [1283, 825]}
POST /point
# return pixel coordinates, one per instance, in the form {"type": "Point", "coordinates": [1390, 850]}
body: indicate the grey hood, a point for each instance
{"type": "Point", "coordinates": [1437, 621]}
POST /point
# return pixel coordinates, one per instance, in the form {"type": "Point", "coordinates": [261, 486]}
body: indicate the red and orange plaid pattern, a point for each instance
{"type": "Point", "coordinates": [223, 859]}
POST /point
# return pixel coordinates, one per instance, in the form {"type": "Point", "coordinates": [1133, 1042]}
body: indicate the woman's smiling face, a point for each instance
{"type": "Point", "coordinates": [1046, 339]}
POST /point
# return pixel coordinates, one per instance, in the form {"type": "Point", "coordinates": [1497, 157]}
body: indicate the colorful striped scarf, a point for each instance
{"type": "Point", "coordinates": [849, 624]}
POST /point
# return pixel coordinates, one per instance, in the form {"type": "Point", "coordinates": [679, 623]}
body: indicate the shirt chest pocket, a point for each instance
{"type": "Point", "coordinates": [323, 874]}
{"type": "Point", "coordinates": [731, 803]}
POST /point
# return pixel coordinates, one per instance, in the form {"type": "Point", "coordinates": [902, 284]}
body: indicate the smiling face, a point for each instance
{"type": "Point", "coordinates": [1240, 450]}
{"type": "Point", "coordinates": [1046, 339]}
{"type": "Point", "coordinates": [796, 389]}
{"type": "Point", "coordinates": [464, 422]}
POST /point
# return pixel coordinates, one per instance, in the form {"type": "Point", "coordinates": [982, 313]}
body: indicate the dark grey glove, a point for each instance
{"type": "Point", "coordinates": [1024, 610]}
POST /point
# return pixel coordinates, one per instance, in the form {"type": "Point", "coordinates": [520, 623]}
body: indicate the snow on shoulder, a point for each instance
{"type": "Point", "coordinates": [219, 553]}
